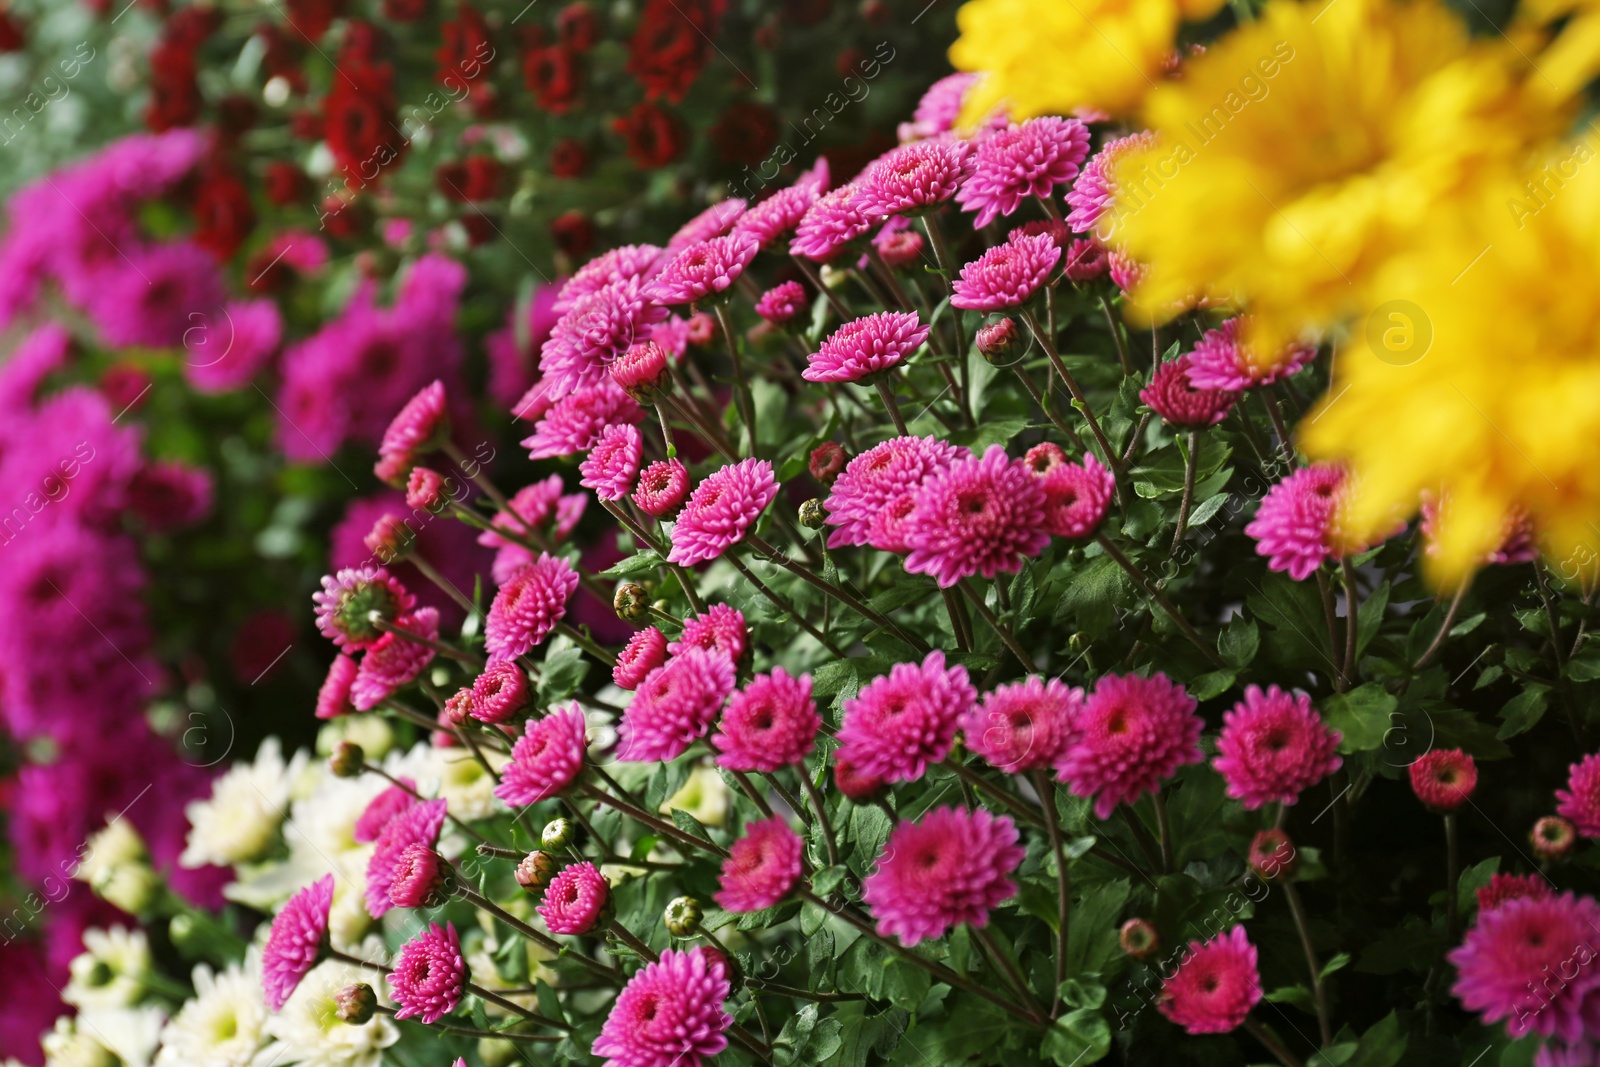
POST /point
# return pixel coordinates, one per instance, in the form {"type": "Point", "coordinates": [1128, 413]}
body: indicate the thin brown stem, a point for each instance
{"type": "Point", "coordinates": [1274, 1046]}
{"type": "Point", "coordinates": [1045, 787]}
{"type": "Point", "coordinates": [1302, 926]}
{"type": "Point", "coordinates": [1191, 465]}
{"type": "Point", "coordinates": [1000, 628]}
{"type": "Point", "coordinates": [886, 394]}
{"type": "Point", "coordinates": [839, 593]}
{"type": "Point", "coordinates": [741, 386]}
{"type": "Point", "coordinates": [1144, 583]}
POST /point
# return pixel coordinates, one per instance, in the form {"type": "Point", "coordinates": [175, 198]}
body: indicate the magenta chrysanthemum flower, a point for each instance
{"type": "Point", "coordinates": [1086, 261]}
{"type": "Point", "coordinates": [1219, 361]}
{"type": "Point", "coordinates": [1023, 726]}
{"type": "Point", "coordinates": [883, 481]}
{"type": "Point", "coordinates": [613, 463]}
{"type": "Point", "coordinates": [704, 270]}
{"type": "Point", "coordinates": [546, 759]}
{"type": "Point", "coordinates": [761, 868]}
{"type": "Point", "coordinates": [1529, 962]}
{"type": "Point", "coordinates": [1132, 734]}
{"type": "Point", "coordinates": [1294, 526]}
{"type": "Point", "coordinates": [429, 975]}
{"type": "Point", "coordinates": [1444, 779]}
{"type": "Point", "coordinates": [618, 265]}
{"type": "Point", "coordinates": [1273, 747]}
{"type": "Point", "coordinates": [541, 509]}
{"type": "Point", "coordinates": [721, 510]}
{"type": "Point", "coordinates": [418, 877]}
{"type": "Point", "coordinates": [574, 899]}
{"type": "Point", "coordinates": [940, 107]}
{"type": "Point", "coordinates": [1077, 497]}
{"type": "Point", "coordinates": [383, 808]}
{"type": "Point", "coordinates": [779, 213]}
{"type": "Point", "coordinates": [715, 221]}
{"type": "Point", "coordinates": [1095, 189]}
{"type": "Point", "coordinates": [594, 331]}
{"type": "Point", "coordinates": [981, 516]}
{"type": "Point", "coordinates": [499, 693]}
{"type": "Point", "coordinates": [395, 661]}
{"type": "Point", "coordinates": [1215, 985]}
{"type": "Point", "coordinates": [1126, 272]}
{"type": "Point", "coordinates": [1518, 543]}
{"type": "Point", "coordinates": [782, 302]}
{"type": "Point", "coordinates": [528, 607]}
{"type": "Point", "coordinates": [675, 706]}
{"type": "Point", "coordinates": [426, 490]}
{"type": "Point", "coordinates": [669, 1014]}
{"type": "Point", "coordinates": [866, 346]}
{"type": "Point", "coordinates": [1583, 1054]}
{"type": "Point", "coordinates": [419, 426]}
{"type": "Point", "coordinates": [905, 720]}
{"type": "Point", "coordinates": [721, 628]}
{"type": "Point", "coordinates": [573, 423]}
{"type": "Point", "coordinates": [350, 600]}
{"type": "Point", "coordinates": [333, 698]}
{"type": "Point", "coordinates": [952, 866]}
{"type": "Point", "coordinates": [645, 651]}
{"type": "Point", "coordinates": [295, 941]}
{"type": "Point", "coordinates": [1007, 275]}
{"type": "Point", "coordinates": [418, 824]}
{"type": "Point", "coordinates": [1504, 887]}
{"type": "Point", "coordinates": [662, 487]}
{"type": "Point", "coordinates": [1023, 161]}
{"type": "Point", "coordinates": [831, 225]}
{"type": "Point", "coordinates": [642, 371]}
{"type": "Point", "coordinates": [1579, 802]}
{"type": "Point", "coordinates": [770, 723]}
{"type": "Point", "coordinates": [1172, 396]}
{"type": "Point", "coordinates": [154, 294]}
{"type": "Point", "coordinates": [914, 178]}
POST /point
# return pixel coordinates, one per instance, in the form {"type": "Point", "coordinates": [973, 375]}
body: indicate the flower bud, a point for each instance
{"type": "Point", "coordinates": [702, 328]}
{"type": "Point", "coordinates": [1553, 838]}
{"type": "Point", "coordinates": [458, 707]}
{"type": "Point", "coordinates": [998, 341]}
{"type": "Point", "coordinates": [643, 372]}
{"type": "Point", "coordinates": [348, 760]}
{"type": "Point", "coordinates": [390, 540]}
{"type": "Point", "coordinates": [1086, 261]}
{"type": "Point", "coordinates": [1045, 457]}
{"type": "Point", "coordinates": [1272, 854]}
{"type": "Point", "coordinates": [355, 1003]}
{"type": "Point", "coordinates": [421, 878]}
{"type": "Point", "coordinates": [861, 788]}
{"type": "Point", "coordinates": [558, 834]}
{"type": "Point", "coordinates": [632, 602]}
{"type": "Point", "coordinates": [425, 491]}
{"type": "Point", "coordinates": [812, 514]}
{"type": "Point", "coordinates": [1139, 939]}
{"type": "Point", "coordinates": [1444, 779]}
{"type": "Point", "coordinates": [827, 460]}
{"type": "Point", "coordinates": [134, 888]}
{"type": "Point", "coordinates": [536, 870]}
{"type": "Point", "coordinates": [682, 916]}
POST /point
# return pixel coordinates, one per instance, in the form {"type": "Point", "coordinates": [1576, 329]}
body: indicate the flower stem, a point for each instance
{"type": "Point", "coordinates": [887, 395]}
{"type": "Point", "coordinates": [583, 641]}
{"type": "Point", "coordinates": [373, 768]}
{"type": "Point", "coordinates": [784, 606]}
{"type": "Point", "coordinates": [1444, 627]}
{"type": "Point", "coordinates": [1049, 410]}
{"type": "Point", "coordinates": [1352, 617]}
{"type": "Point", "coordinates": [659, 826]}
{"type": "Point", "coordinates": [844, 597]}
{"type": "Point", "coordinates": [1116, 335]}
{"type": "Point", "coordinates": [1303, 926]}
{"type": "Point", "coordinates": [1113, 460]}
{"type": "Point", "coordinates": [544, 941]}
{"type": "Point", "coordinates": [809, 269]}
{"type": "Point", "coordinates": [1164, 825]}
{"type": "Point", "coordinates": [624, 935]}
{"type": "Point", "coordinates": [426, 642]}
{"type": "Point", "coordinates": [1144, 583]}
{"type": "Point", "coordinates": [999, 627]}
{"type": "Point", "coordinates": [741, 386]}
{"type": "Point", "coordinates": [814, 795]}
{"type": "Point", "coordinates": [467, 1031]}
{"type": "Point", "coordinates": [1189, 470]}
{"type": "Point", "coordinates": [1274, 1046]}
{"type": "Point", "coordinates": [1452, 875]}
{"type": "Point", "coordinates": [1008, 967]}
{"type": "Point", "coordinates": [1046, 789]}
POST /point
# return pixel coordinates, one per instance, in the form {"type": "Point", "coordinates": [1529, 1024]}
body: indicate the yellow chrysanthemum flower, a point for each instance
{"type": "Point", "coordinates": [1303, 151]}
{"type": "Point", "coordinates": [1572, 58]}
{"type": "Point", "coordinates": [1480, 376]}
{"type": "Point", "coordinates": [1057, 56]}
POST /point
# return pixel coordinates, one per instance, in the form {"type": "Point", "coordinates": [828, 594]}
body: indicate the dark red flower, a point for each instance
{"type": "Point", "coordinates": [361, 124]}
{"type": "Point", "coordinates": [364, 45]}
{"type": "Point", "coordinates": [191, 26]}
{"type": "Point", "coordinates": [573, 233]}
{"type": "Point", "coordinates": [285, 183]}
{"type": "Point", "coordinates": [466, 52]}
{"type": "Point", "coordinates": [847, 61]}
{"type": "Point", "coordinates": [654, 135]}
{"type": "Point", "coordinates": [745, 133]}
{"type": "Point", "coordinates": [342, 217]}
{"type": "Point", "coordinates": [673, 44]}
{"type": "Point", "coordinates": [480, 231]}
{"type": "Point", "coordinates": [282, 56]}
{"type": "Point", "coordinates": [311, 18]}
{"type": "Point", "coordinates": [554, 75]}
{"type": "Point", "coordinates": [578, 27]}
{"type": "Point", "coordinates": [174, 91]}
{"type": "Point", "coordinates": [13, 34]}
{"type": "Point", "coordinates": [236, 114]}
{"type": "Point", "coordinates": [125, 384]}
{"type": "Point", "coordinates": [223, 213]}
{"type": "Point", "coordinates": [406, 10]}
{"type": "Point", "coordinates": [471, 179]}
{"type": "Point", "coordinates": [306, 124]}
{"type": "Point", "coordinates": [569, 159]}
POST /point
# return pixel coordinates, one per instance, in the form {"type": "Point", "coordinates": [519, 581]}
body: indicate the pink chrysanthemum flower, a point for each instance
{"type": "Point", "coordinates": [395, 661]}
{"type": "Point", "coordinates": [1529, 962]}
{"type": "Point", "coordinates": [1504, 887]}
{"type": "Point", "coordinates": [1077, 497]}
{"type": "Point", "coordinates": [906, 720]}
{"type": "Point", "coordinates": [620, 264]}
{"type": "Point", "coordinates": [675, 706]}
{"type": "Point", "coordinates": [594, 331]}
{"type": "Point", "coordinates": [1023, 726]}
{"type": "Point", "coordinates": [1095, 189]}
{"type": "Point", "coordinates": [882, 481]}
{"type": "Point", "coordinates": [417, 825]}
{"type": "Point", "coordinates": [1022, 161]}
{"type": "Point", "coordinates": [898, 247]}
{"type": "Point", "coordinates": [1126, 272]}
{"type": "Point", "coordinates": [761, 868]}
{"type": "Point", "coordinates": [426, 490]}
{"type": "Point", "coordinates": [645, 651]}
{"type": "Point", "coordinates": [669, 1014]}
{"type": "Point", "coordinates": [1086, 261]}
{"type": "Point", "coordinates": [1215, 985]}
{"type": "Point", "coordinates": [1006, 276]}
{"type": "Point", "coordinates": [1219, 361]}
{"type": "Point", "coordinates": [540, 508]}
{"type": "Point", "coordinates": [1582, 1054]}
{"type": "Point", "coordinates": [866, 346]}
{"type": "Point", "coordinates": [499, 693]}
{"type": "Point", "coordinates": [528, 607]}
{"type": "Point", "coordinates": [952, 866]}
{"type": "Point", "coordinates": [418, 878]}
{"type": "Point", "coordinates": [705, 269]}
{"type": "Point", "coordinates": [779, 213]}
{"type": "Point", "coordinates": [940, 107]}
{"type": "Point", "coordinates": [770, 723]}
{"type": "Point", "coordinates": [642, 371]}
{"type": "Point", "coordinates": [1444, 779]}
{"type": "Point", "coordinates": [1579, 802]}
{"type": "Point", "coordinates": [721, 510]}
{"type": "Point", "coordinates": [782, 302]}
{"type": "Point", "coordinates": [1172, 396]}
{"type": "Point", "coordinates": [429, 975]}
{"type": "Point", "coordinates": [546, 759]}
{"type": "Point", "coordinates": [350, 600]}
{"type": "Point", "coordinates": [295, 941]}
{"type": "Point", "coordinates": [1294, 526]}
{"type": "Point", "coordinates": [613, 463]}
{"type": "Point", "coordinates": [721, 628]}
{"type": "Point", "coordinates": [981, 516]}
{"type": "Point", "coordinates": [1132, 734]}
{"type": "Point", "coordinates": [914, 178]}
{"type": "Point", "coordinates": [1518, 542]}
{"type": "Point", "coordinates": [831, 225]}
{"type": "Point", "coordinates": [1273, 747]}
{"type": "Point", "coordinates": [333, 698]}
{"type": "Point", "coordinates": [383, 808]}
{"type": "Point", "coordinates": [662, 487]}
{"type": "Point", "coordinates": [1044, 457]}
{"type": "Point", "coordinates": [418, 427]}
{"type": "Point", "coordinates": [573, 423]}
{"type": "Point", "coordinates": [715, 221]}
{"type": "Point", "coordinates": [575, 899]}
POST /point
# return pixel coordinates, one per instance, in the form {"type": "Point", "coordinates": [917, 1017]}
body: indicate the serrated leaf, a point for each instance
{"type": "Point", "coordinates": [1364, 716]}
{"type": "Point", "coordinates": [1523, 711]}
{"type": "Point", "coordinates": [639, 563]}
{"type": "Point", "coordinates": [1239, 641]}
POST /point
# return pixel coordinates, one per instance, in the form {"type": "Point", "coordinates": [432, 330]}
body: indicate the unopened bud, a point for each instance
{"type": "Point", "coordinates": [632, 602]}
{"type": "Point", "coordinates": [390, 540]}
{"type": "Point", "coordinates": [355, 1003]}
{"type": "Point", "coordinates": [558, 834]}
{"type": "Point", "coordinates": [421, 878]}
{"type": "Point", "coordinates": [827, 460]}
{"type": "Point", "coordinates": [702, 328]}
{"type": "Point", "coordinates": [643, 372]}
{"type": "Point", "coordinates": [812, 514]}
{"type": "Point", "coordinates": [1553, 838]}
{"type": "Point", "coordinates": [998, 341]}
{"type": "Point", "coordinates": [425, 490]}
{"type": "Point", "coordinates": [1272, 854]}
{"type": "Point", "coordinates": [1139, 939]}
{"type": "Point", "coordinates": [682, 916]}
{"type": "Point", "coordinates": [536, 870]}
{"type": "Point", "coordinates": [348, 760]}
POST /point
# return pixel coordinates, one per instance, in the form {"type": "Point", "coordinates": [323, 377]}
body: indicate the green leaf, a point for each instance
{"type": "Point", "coordinates": [1093, 927]}
{"type": "Point", "coordinates": [1585, 666]}
{"type": "Point", "coordinates": [1212, 684]}
{"type": "Point", "coordinates": [1473, 879]}
{"type": "Point", "coordinates": [1094, 595]}
{"type": "Point", "coordinates": [1239, 641]}
{"type": "Point", "coordinates": [1292, 610]}
{"type": "Point", "coordinates": [1363, 715]}
{"type": "Point", "coordinates": [1382, 1046]}
{"type": "Point", "coordinates": [640, 562]}
{"type": "Point", "coordinates": [1078, 1037]}
{"type": "Point", "coordinates": [1338, 962]}
{"type": "Point", "coordinates": [1523, 711]}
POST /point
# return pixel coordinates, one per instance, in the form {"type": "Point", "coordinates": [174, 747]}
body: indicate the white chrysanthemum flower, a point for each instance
{"type": "Point", "coordinates": [308, 1030]}
{"type": "Point", "coordinates": [466, 787]}
{"type": "Point", "coordinates": [114, 846]}
{"type": "Point", "coordinates": [247, 805]}
{"type": "Point", "coordinates": [223, 1025]}
{"type": "Point", "coordinates": [372, 732]}
{"type": "Point", "coordinates": [110, 972]}
{"type": "Point", "coordinates": [104, 1037]}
